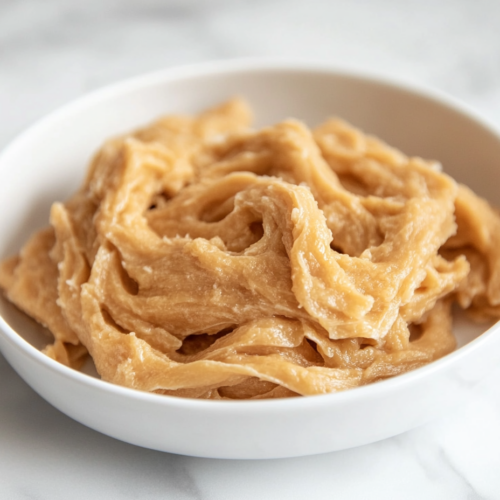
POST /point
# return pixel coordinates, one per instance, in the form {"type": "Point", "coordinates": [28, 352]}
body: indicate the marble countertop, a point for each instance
{"type": "Point", "coordinates": [54, 51]}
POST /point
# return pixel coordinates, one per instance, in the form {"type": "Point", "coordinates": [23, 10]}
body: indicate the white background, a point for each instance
{"type": "Point", "coordinates": [52, 51]}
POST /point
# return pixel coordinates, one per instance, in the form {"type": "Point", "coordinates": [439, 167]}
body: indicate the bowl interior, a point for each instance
{"type": "Point", "coordinates": [47, 163]}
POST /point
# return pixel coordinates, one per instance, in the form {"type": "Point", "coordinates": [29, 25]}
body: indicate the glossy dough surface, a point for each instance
{"type": "Point", "coordinates": [204, 259]}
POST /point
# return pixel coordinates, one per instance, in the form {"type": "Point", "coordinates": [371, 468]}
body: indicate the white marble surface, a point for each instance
{"type": "Point", "coordinates": [54, 50]}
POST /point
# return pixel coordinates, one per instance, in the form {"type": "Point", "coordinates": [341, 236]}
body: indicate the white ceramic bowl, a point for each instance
{"type": "Point", "coordinates": [47, 163]}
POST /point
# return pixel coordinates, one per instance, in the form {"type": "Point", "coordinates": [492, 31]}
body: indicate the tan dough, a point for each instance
{"type": "Point", "coordinates": [204, 259]}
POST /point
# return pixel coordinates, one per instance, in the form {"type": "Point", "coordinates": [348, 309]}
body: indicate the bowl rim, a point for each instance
{"type": "Point", "coordinates": [234, 66]}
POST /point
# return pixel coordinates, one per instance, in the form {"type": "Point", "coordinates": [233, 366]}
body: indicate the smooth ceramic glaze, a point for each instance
{"type": "Point", "coordinates": [48, 161]}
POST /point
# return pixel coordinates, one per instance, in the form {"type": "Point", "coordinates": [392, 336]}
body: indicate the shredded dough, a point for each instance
{"type": "Point", "coordinates": [204, 259]}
